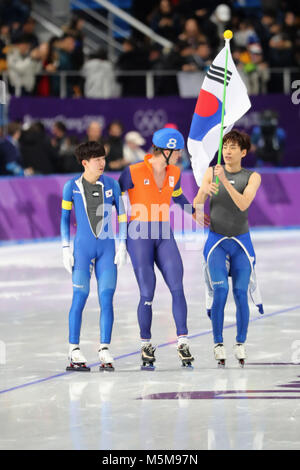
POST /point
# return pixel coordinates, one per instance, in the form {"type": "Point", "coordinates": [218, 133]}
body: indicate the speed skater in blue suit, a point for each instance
{"type": "Point", "coordinates": [93, 196]}
{"type": "Point", "coordinates": [228, 250]}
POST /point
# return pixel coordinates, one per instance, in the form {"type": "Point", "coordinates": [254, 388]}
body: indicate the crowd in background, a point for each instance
{"type": "Point", "coordinates": [266, 35]}
{"type": "Point", "coordinates": [31, 150]}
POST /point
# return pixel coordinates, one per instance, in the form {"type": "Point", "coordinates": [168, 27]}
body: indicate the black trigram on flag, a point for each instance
{"type": "Point", "coordinates": [218, 74]}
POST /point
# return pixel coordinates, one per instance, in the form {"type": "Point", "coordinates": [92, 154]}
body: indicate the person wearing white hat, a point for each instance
{"type": "Point", "coordinates": [221, 17]}
{"type": "Point", "coordinates": [132, 150]}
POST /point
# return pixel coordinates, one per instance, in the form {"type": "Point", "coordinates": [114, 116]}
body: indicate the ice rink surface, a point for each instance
{"type": "Point", "coordinates": [43, 407]}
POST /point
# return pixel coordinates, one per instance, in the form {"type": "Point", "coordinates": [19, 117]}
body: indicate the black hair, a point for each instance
{"type": "Point", "coordinates": [240, 138]}
{"type": "Point", "coordinates": [88, 150]}
{"type": "Point", "coordinates": [61, 126]}
{"type": "Point", "coordinates": [116, 122]}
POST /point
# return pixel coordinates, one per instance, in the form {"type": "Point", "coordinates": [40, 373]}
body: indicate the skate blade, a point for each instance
{"type": "Point", "coordinates": [242, 363]}
{"type": "Point", "coordinates": [150, 367]}
{"type": "Point", "coordinates": [221, 364]}
{"type": "Point", "coordinates": [106, 368]}
{"type": "Point", "coordinates": [71, 368]}
{"type": "Point", "coordinates": [187, 365]}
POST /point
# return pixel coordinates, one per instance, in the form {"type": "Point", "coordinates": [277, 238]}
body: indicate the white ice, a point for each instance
{"type": "Point", "coordinates": [43, 407]}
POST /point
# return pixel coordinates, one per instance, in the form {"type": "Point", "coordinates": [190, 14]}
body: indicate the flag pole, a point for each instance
{"type": "Point", "coordinates": [227, 36]}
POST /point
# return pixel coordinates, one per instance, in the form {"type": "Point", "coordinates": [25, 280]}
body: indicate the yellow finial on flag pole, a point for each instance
{"type": "Point", "coordinates": [228, 34]}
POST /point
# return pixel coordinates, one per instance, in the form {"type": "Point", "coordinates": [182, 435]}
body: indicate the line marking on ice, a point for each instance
{"type": "Point", "coordinates": [123, 356]}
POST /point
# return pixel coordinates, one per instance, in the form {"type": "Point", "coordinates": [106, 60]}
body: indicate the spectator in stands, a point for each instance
{"type": "Point", "coordinates": [60, 143]}
{"type": "Point", "coordinates": [221, 18]}
{"type": "Point", "coordinates": [268, 139]}
{"type": "Point", "coordinates": [29, 29]}
{"type": "Point", "coordinates": [75, 28]}
{"type": "Point", "coordinates": [94, 132]}
{"type": "Point", "coordinates": [4, 42]}
{"type": "Point", "coordinates": [263, 29]}
{"type": "Point", "coordinates": [132, 58]}
{"type": "Point", "coordinates": [59, 132]}
{"type": "Point", "coordinates": [163, 84]}
{"type": "Point", "coordinates": [245, 34]}
{"type": "Point", "coordinates": [49, 59]}
{"type": "Point", "coordinates": [256, 70]}
{"type": "Point", "coordinates": [38, 154]}
{"type": "Point", "coordinates": [70, 163]}
{"type": "Point", "coordinates": [132, 150]}
{"type": "Point", "coordinates": [64, 146]}
{"type": "Point", "coordinates": [208, 27]}
{"type": "Point", "coordinates": [281, 49]}
{"type": "Point", "coordinates": [290, 27]}
{"type": "Point", "coordinates": [268, 24]}
{"type": "Point", "coordinates": [281, 54]}
{"type": "Point", "coordinates": [114, 147]}
{"type": "Point", "coordinates": [165, 21]}
{"type": "Point", "coordinates": [11, 162]}
{"type": "Point", "coordinates": [64, 59]}
{"type": "Point", "coordinates": [191, 33]}
{"type": "Point", "coordinates": [65, 47]}
{"type": "Point", "coordinates": [189, 8]}
{"type": "Point", "coordinates": [195, 59]}
{"type": "Point", "coordinates": [22, 66]}
{"type": "Point", "coordinates": [99, 76]}
{"type": "Point", "coordinates": [5, 34]}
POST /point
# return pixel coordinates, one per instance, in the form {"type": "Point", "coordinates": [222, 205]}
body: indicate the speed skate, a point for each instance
{"type": "Point", "coordinates": [220, 355]}
{"type": "Point", "coordinates": [185, 356]}
{"type": "Point", "coordinates": [148, 358]}
{"type": "Point", "coordinates": [240, 354]}
{"type": "Point", "coordinates": [77, 362]}
{"type": "Point", "coordinates": [106, 360]}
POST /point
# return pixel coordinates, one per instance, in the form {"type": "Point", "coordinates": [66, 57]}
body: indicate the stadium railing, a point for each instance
{"type": "Point", "coordinates": [286, 75]}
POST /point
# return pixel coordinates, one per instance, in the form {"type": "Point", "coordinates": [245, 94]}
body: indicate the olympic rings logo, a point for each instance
{"type": "Point", "coordinates": [149, 121]}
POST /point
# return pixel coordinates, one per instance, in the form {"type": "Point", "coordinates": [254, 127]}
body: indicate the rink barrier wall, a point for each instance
{"type": "Point", "coordinates": [30, 208]}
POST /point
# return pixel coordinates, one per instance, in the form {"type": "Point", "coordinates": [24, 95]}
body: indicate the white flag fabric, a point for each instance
{"type": "Point", "coordinates": [204, 136]}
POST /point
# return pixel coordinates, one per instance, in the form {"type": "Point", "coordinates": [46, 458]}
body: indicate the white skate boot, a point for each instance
{"type": "Point", "coordinates": [77, 360]}
{"type": "Point", "coordinates": [220, 355]}
{"type": "Point", "coordinates": [240, 353]}
{"type": "Point", "coordinates": [106, 360]}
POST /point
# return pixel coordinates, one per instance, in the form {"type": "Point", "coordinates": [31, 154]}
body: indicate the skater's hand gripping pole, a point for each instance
{"type": "Point", "coordinates": [227, 36]}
